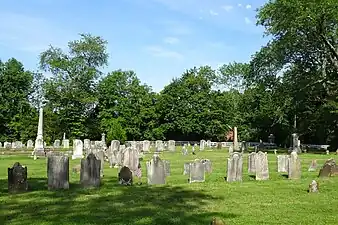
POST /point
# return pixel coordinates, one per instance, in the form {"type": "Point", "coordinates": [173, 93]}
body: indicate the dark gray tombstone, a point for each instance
{"type": "Point", "coordinates": [58, 172]}
{"type": "Point", "coordinates": [125, 176]}
{"type": "Point", "coordinates": [328, 168]}
{"type": "Point", "coordinates": [17, 178]}
{"type": "Point", "coordinates": [197, 172]}
{"type": "Point", "coordinates": [90, 171]}
{"type": "Point", "coordinates": [166, 167]}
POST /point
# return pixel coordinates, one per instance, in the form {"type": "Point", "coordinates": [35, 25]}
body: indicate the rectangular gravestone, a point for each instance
{"type": "Point", "coordinates": [282, 163]}
{"type": "Point", "coordinates": [294, 166]}
{"type": "Point", "coordinates": [262, 166]}
{"type": "Point", "coordinates": [58, 172]}
{"type": "Point", "coordinates": [313, 166]}
{"type": "Point", "coordinates": [17, 178]}
{"type": "Point", "coordinates": [327, 169]}
{"type": "Point", "coordinates": [155, 171]}
{"type": "Point", "coordinates": [197, 172]}
{"type": "Point", "coordinates": [235, 167]}
{"type": "Point", "coordinates": [186, 170]}
{"type": "Point", "coordinates": [252, 162]}
{"type": "Point", "coordinates": [166, 167]}
{"type": "Point", "coordinates": [100, 156]}
{"type": "Point", "coordinates": [90, 171]}
{"type": "Point", "coordinates": [207, 165]}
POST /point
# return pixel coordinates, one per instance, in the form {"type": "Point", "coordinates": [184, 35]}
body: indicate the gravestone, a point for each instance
{"type": "Point", "coordinates": [159, 145]}
{"type": "Point", "coordinates": [65, 143]}
{"type": "Point", "coordinates": [207, 165]}
{"type": "Point", "coordinates": [197, 172]}
{"type": "Point", "coordinates": [184, 150]}
{"type": "Point", "coordinates": [90, 171]}
{"type": "Point", "coordinates": [275, 151]}
{"type": "Point", "coordinates": [155, 171]}
{"type": "Point", "coordinates": [100, 156]}
{"type": "Point", "coordinates": [30, 144]}
{"type": "Point", "coordinates": [262, 166]}
{"type": "Point", "coordinates": [202, 145]}
{"type": "Point", "coordinates": [252, 162]}
{"type": "Point", "coordinates": [39, 147]}
{"type": "Point", "coordinates": [208, 143]}
{"type": "Point", "coordinates": [0, 145]}
{"type": "Point", "coordinates": [244, 146]}
{"type": "Point", "coordinates": [130, 158]}
{"type": "Point", "coordinates": [328, 168]}
{"type": "Point", "coordinates": [186, 169]}
{"type": "Point", "coordinates": [125, 176]}
{"type": "Point", "coordinates": [58, 172]}
{"type": "Point", "coordinates": [313, 187]}
{"type": "Point", "coordinates": [235, 167]}
{"type": "Point", "coordinates": [313, 166]}
{"type": "Point", "coordinates": [294, 166]}
{"type": "Point", "coordinates": [57, 144]}
{"type": "Point", "coordinates": [282, 163]}
{"type": "Point", "coordinates": [86, 146]}
{"type": "Point", "coordinates": [171, 145]}
{"type": "Point", "coordinates": [77, 149]}
{"type": "Point", "coordinates": [146, 146]}
{"type": "Point", "coordinates": [166, 167]}
{"type": "Point", "coordinates": [17, 178]}
{"type": "Point", "coordinates": [231, 149]}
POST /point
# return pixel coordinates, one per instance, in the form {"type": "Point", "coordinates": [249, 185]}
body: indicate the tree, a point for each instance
{"type": "Point", "coordinates": [71, 91]}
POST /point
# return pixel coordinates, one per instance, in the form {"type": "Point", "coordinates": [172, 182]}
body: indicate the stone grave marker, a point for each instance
{"type": "Point", "coordinates": [171, 145]}
{"type": "Point", "coordinates": [197, 172]}
{"type": "Point", "coordinates": [252, 162]}
{"type": "Point", "coordinates": [328, 168]}
{"type": "Point", "coordinates": [90, 171]}
{"type": "Point", "coordinates": [313, 166]}
{"type": "Point", "coordinates": [65, 143]}
{"type": "Point", "coordinates": [294, 166]}
{"type": "Point", "coordinates": [202, 145]}
{"type": "Point", "coordinates": [166, 167]}
{"type": "Point", "coordinates": [155, 171]}
{"type": "Point", "coordinates": [130, 158]}
{"type": "Point", "coordinates": [282, 163]}
{"type": "Point", "coordinates": [57, 144]}
{"type": "Point", "coordinates": [186, 170]}
{"type": "Point", "coordinates": [207, 165]}
{"type": "Point", "coordinates": [77, 149]}
{"type": "Point", "coordinates": [58, 172]}
{"type": "Point", "coordinates": [100, 156]}
{"type": "Point", "coordinates": [313, 187]}
{"type": "Point", "coordinates": [125, 176]}
{"type": "Point", "coordinates": [235, 167]}
{"type": "Point", "coordinates": [17, 178]}
{"type": "Point", "coordinates": [262, 166]}
{"type": "Point", "coordinates": [146, 146]}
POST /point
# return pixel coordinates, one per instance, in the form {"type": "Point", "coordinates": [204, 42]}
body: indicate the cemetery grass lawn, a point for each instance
{"type": "Point", "coordinates": [277, 201]}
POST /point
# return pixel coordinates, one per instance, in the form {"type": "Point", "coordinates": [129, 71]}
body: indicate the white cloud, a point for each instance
{"type": "Point", "coordinates": [213, 13]}
{"type": "Point", "coordinates": [30, 34]}
{"type": "Point", "coordinates": [158, 51]}
{"type": "Point", "coordinates": [175, 27]}
{"type": "Point", "coordinates": [171, 40]}
{"type": "Point", "coordinates": [239, 5]}
{"type": "Point", "coordinates": [247, 20]}
{"type": "Point", "coordinates": [227, 8]}
{"type": "Point", "coordinates": [248, 6]}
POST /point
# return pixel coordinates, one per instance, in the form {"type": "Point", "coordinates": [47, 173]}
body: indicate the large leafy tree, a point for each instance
{"type": "Point", "coordinates": [71, 91]}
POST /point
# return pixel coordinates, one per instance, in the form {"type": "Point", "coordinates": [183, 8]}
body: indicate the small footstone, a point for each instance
{"type": "Point", "coordinates": [313, 187]}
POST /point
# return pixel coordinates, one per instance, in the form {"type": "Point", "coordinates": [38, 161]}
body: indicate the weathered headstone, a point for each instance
{"type": "Point", "coordinates": [328, 168]}
{"type": "Point", "coordinates": [313, 187]}
{"type": "Point", "coordinates": [166, 167]}
{"type": "Point", "coordinates": [197, 172]}
{"type": "Point", "coordinates": [184, 150]}
{"type": "Point", "coordinates": [171, 145]}
{"type": "Point", "coordinates": [86, 146]}
{"type": "Point", "coordinates": [30, 144]}
{"type": "Point", "coordinates": [125, 176]}
{"type": "Point", "coordinates": [207, 165]}
{"type": "Point", "coordinates": [235, 167]}
{"type": "Point", "coordinates": [159, 145]}
{"type": "Point", "coordinates": [146, 146]}
{"type": "Point", "coordinates": [294, 166]}
{"type": "Point", "coordinates": [186, 169]}
{"type": "Point", "coordinates": [58, 172]}
{"type": "Point", "coordinates": [17, 178]}
{"type": "Point", "coordinates": [202, 145]}
{"type": "Point", "coordinates": [282, 163]}
{"type": "Point", "coordinates": [100, 156]}
{"type": "Point", "coordinates": [90, 171]}
{"type": "Point", "coordinates": [252, 162]}
{"type": "Point", "coordinates": [130, 158]}
{"type": "Point", "coordinates": [313, 166]}
{"type": "Point", "coordinates": [57, 143]}
{"type": "Point", "coordinates": [262, 166]}
{"type": "Point", "coordinates": [77, 149]}
{"type": "Point", "coordinates": [155, 171]}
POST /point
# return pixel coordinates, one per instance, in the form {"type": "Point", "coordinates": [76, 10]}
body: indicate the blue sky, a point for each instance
{"type": "Point", "coordinates": [158, 39]}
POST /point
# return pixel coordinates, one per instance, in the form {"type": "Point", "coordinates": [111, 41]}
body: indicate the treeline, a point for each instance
{"type": "Point", "coordinates": [288, 86]}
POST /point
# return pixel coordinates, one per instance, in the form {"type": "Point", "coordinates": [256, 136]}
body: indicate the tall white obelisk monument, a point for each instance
{"type": "Point", "coordinates": [39, 139]}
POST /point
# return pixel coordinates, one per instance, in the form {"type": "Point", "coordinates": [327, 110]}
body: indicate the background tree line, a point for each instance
{"type": "Point", "coordinates": [289, 85]}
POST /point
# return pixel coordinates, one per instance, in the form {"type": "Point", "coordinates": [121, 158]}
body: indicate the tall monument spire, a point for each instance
{"type": "Point", "coordinates": [39, 139]}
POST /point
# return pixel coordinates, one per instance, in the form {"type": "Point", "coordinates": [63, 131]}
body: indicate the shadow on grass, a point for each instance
{"type": "Point", "coordinates": [285, 176]}
{"type": "Point", "coordinates": [110, 204]}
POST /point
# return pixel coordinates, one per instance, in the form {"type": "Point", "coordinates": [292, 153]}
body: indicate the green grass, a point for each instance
{"type": "Point", "coordinates": [277, 201]}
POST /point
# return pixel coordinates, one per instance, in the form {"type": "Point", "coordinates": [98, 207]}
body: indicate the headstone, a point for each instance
{"type": "Point", "coordinates": [209, 143]}
{"type": "Point", "coordinates": [244, 146]}
{"type": "Point", "coordinates": [125, 176]}
{"type": "Point", "coordinates": [235, 167]}
{"type": "Point", "coordinates": [295, 143]}
{"type": "Point", "coordinates": [328, 168]}
{"type": "Point", "coordinates": [184, 150]}
{"type": "Point", "coordinates": [57, 144]}
{"type": "Point", "coordinates": [327, 152]}
{"type": "Point", "coordinates": [197, 172]}
{"type": "Point", "coordinates": [313, 166]}
{"type": "Point", "coordinates": [65, 143]}
{"type": "Point", "coordinates": [115, 145]}
{"type": "Point", "coordinates": [202, 145]}
{"type": "Point", "coordinates": [100, 156]}
{"type": "Point", "coordinates": [275, 151]}
{"type": "Point", "coordinates": [282, 163]}
{"type": "Point", "coordinates": [30, 144]}
{"type": "Point", "coordinates": [58, 172]}
{"type": "Point", "coordinates": [171, 145]}
{"type": "Point", "coordinates": [17, 178]}
{"type": "Point", "coordinates": [103, 141]}
{"type": "Point", "coordinates": [39, 139]}
{"type": "Point", "coordinates": [252, 162]}
{"type": "Point", "coordinates": [90, 171]}
{"type": "Point", "coordinates": [207, 165]}
{"type": "Point", "coordinates": [0, 145]}
{"type": "Point", "coordinates": [186, 170]}
{"type": "Point", "coordinates": [146, 146]}
{"type": "Point", "coordinates": [262, 166]}
{"type": "Point", "coordinates": [231, 149]}
{"type": "Point", "coordinates": [313, 187]}
{"type": "Point", "coordinates": [86, 146]}
{"type": "Point", "coordinates": [155, 171]}
{"type": "Point", "coordinates": [166, 167]}
{"type": "Point", "coordinates": [77, 149]}
{"type": "Point", "coordinates": [159, 145]}
{"type": "Point", "coordinates": [294, 166]}
{"type": "Point", "coordinates": [130, 158]}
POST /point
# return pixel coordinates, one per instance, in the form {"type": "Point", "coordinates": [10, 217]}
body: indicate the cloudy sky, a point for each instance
{"type": "Point", "coordinates": [158, 39]}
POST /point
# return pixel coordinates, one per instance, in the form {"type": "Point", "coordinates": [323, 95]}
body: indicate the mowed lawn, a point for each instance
{"type": "Point", "coordinates": [277, 201]}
